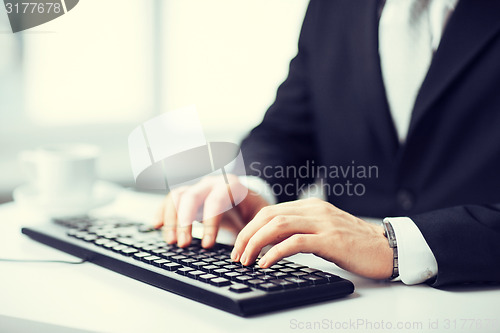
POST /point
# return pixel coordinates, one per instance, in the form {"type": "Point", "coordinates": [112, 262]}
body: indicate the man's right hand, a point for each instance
{"type": "Point", "coordinates": [179, 209]}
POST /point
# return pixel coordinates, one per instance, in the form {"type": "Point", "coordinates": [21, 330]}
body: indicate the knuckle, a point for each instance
{"type": "Point", "coordinates": [265, 212]}
{"type": "Point", "coordinates": [298, 239]}
{"type": "Point", "coordinates": [280, 221]}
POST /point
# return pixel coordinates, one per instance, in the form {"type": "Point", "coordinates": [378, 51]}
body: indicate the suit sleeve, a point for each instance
{"type": "Point", "coordinates": [285, 137]}
{"type": "Point", "coordinates": [465, 241]}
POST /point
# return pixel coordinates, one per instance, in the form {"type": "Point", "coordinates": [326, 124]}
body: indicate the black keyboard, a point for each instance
{"type": "Point", "coordinates": [208, 276]}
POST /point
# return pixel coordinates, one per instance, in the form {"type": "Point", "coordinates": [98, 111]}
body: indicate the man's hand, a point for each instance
{"type": "Point", "coordinates": [180, 207]}
{"type": "Point", "coordinates": [315, 226]}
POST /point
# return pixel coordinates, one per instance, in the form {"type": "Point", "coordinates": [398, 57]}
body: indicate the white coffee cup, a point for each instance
{"type": "Point", "coordinates": [62, 174]}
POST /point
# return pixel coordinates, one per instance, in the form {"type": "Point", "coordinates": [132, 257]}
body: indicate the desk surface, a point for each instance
{"type": "Point", "coordinates": [88, 297]}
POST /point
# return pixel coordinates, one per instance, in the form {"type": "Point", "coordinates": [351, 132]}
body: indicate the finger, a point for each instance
{"type": "Point", "coordinates": [216, 203]}
{"type": "Point", "coordinates": [265, 215]}
{"type": "Point", "coordinates": [298, 243]}
{"type": "Point", "coordinates": [190, 203]}
{"type": "Point", "coordinates": [170, 214]}
{"type": "Point", "coordinates": [278, 229]}
{"type": "Point", "coordinates": [260, 219]}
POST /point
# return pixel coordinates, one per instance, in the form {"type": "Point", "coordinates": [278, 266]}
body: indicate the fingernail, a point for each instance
{"type": "Point", "coordinates": [243, 259]}
{"type": "Point", "coordinates": [205, 241]}
{"type": "Point", "coordinates": [262, 262]}
{"type": "Point", "coordinates": [234, 255]}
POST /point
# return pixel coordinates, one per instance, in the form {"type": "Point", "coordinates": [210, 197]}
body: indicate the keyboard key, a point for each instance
{"type": "Point", "coordinates": [309, 270]}
{"type": "Point", "coordinates": [331, 277]}
{"type": "Point", "coordinates": [102, 241]}
{"type": "Point", "coordinates": [284, 262]}
{"type": "Point", "coordinates": [207, 277]}
{"type": "Point", "coordinates": [160, 262]}
{"type": "Point", "coordinates": [231, 267]}
{"type": "Point", "coordinates": [267, 277]}
{"type": "Point", "coordinates": [298, 274]}
{"type": "Point", "coordinates": [243, 278]}
{"type": "Point", "coordinates": [209, 260]}
{"type": "Point", "coordinates": [255, 282]}
{"type": "Point", "coordinates": [239, 288]}
{"type": "Point", "coordinates": [90, 238]}
{"type": "Point", "coordinates": [195, 274]}
{"type": "Point", "coordinates": [141, 255]}
{"type": "Point", "coordinates": [210, 268]}
{"type": "Point", "coordinates": [177, 258]}
{"type": "Point", "coordinates": [296, 266]}
{"type": "Point", "coordinates": [232, 275]}
{"type": "Point", "coordinates": [299, 282]}
{"type": "Point", "coordinates": [268, 286]}
{"type": "Point", "coordinates": [219, 263]}
{"type": "Point", "coordinates": [279, 275]}
{"type": "Point", "coordinates": [284, 283]}
{"type": "Point", "coordinates": [126, 240]}
{"type": "Point", "coordinates": [315, 279]}
{"type": "Point", "coordinates": [171, 266]}
{"type": "Point", "coordinates": [159, 251]}
{"type": "Point", "coordinates": [119, 247]}
{"type": "Point", "coordinates": [184, 270]}
{"type": "Point", "coordinates": [187, 261]}
{"type": "Point", "coordinates": [287, 270]}
{"type": "Point", "coordinates": [149, 247]}
{"type": "Point", "coordinates": [222, 257]}
{"type": "Point", "coordinates": [167, 255]}
{"type": "Point", "coordinates": [129, 251]}
{"type": "Point", "coordinates": [276, 266]}
{"type": "Point", "coordinates": [243, 270]}
{"type": "Point", "coordinates": [199, 264]}
{"type": "Point", "coordinates": [220, 271]}
{"type": "Point", "coordinates": [220, 282]}
{"type": "Point", "coordinates": [199, 257]}
{"type": "Point", "coordinates": [110, 245]}
{"type": "Point", "coordinates": [150, 259]}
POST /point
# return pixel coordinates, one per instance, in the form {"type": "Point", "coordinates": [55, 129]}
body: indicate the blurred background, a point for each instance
{"type": "Point", "coordinates": [94, 74]}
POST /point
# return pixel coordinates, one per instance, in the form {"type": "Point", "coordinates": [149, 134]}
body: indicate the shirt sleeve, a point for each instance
{"type": "Point", "coordinates": [417, 263]}
{"type": "Point", "coordinates": [259, 186]}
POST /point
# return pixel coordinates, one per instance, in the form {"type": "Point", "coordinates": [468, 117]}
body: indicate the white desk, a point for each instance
{"type": "Point", "coordinates": [88, 297]}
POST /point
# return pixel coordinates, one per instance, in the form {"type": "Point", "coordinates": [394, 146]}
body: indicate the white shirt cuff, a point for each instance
{"type": "Point", "coordinates": [259, 186]}
{"type": "Point", "coordinates": [415, 258]}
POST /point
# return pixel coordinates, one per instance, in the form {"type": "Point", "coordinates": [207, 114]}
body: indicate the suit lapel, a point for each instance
{"type": "Point", "coordinates": [473, 24]}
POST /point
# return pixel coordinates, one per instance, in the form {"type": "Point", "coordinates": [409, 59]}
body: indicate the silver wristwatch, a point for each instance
{"type": "Point", "coordinates": [391, 237]}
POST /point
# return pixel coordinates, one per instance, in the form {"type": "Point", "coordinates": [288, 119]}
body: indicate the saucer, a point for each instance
{"type": "Point", "coordinates": [102, 193]}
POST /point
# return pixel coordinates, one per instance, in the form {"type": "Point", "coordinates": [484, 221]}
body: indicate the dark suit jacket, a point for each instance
{"type": "Point", "coordinates": [332, 109]}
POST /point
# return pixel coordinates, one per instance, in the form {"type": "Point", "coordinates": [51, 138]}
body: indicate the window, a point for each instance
{"type": "Point", "coordinates": [97, 72]}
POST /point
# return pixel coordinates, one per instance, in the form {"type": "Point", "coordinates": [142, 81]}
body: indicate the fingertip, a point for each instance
{"type": "Point", "coordinates": [170, 236]}
{"type": "Point", "coordinates": [235, 256]}
{"type": "Point", "coordinates": [207, 241]}
{"type": "Point", "coordinates": [183, 239]}
{"type": "Point", "coordinates": [263, 262]}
